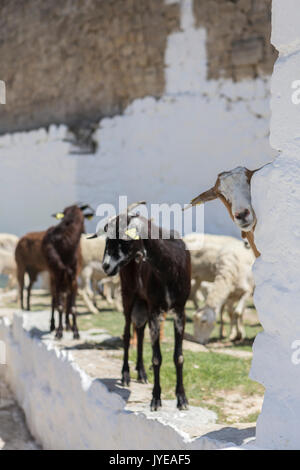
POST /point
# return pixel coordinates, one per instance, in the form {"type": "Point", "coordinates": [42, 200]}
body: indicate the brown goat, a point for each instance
{"type": "Point", "coordinates": [233, 188]}
{"type": "Point", "coordinates": [61, 248]}
{"type": "Point", "coordinates": [31, 260]}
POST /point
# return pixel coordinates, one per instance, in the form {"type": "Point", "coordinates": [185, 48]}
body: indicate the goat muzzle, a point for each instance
{"type": "Point", "coordinates": [140, 256]}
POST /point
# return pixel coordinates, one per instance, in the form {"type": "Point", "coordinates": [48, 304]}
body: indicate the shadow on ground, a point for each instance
{"type": "Point", "coordinates": [229, 434]}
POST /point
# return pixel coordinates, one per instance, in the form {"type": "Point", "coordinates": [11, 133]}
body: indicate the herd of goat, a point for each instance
{"type": "Point", "coordinates": [144, 271]}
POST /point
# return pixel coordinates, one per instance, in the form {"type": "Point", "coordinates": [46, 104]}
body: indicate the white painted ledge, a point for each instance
{"type": "Point", "coordinates": [66, 409]}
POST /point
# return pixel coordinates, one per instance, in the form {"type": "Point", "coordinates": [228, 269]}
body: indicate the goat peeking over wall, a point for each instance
{"type": "Point", "coordinates": [233, 188]}
{"type": "Point", "coordinates": [155, 277]}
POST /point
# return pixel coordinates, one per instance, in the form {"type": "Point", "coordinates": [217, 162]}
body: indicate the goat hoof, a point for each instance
{"type": "Point", "coordinates": [235, 338]}
{"type": "Point", "coordinates": [155, 404]}
{"type": "Point", "coordinates": [126, 379]}
{"type": "Point", "coordinates": [182, 403]}
{"type": "Point", "coordinates": [59, 334]}
{"type": "Point", "coordinates": [76, 335]}
{"type": "Point", "coordinates": [52, 327]}
{"type": "Point", "coordinates": [142, 376]}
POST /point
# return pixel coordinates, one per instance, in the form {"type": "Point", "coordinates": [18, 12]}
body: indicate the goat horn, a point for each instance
{"type": "Point", "coordinates": [134, 205]}
{"type": "Point", "coordinates": [92, 236]}
{"type": "Point", "coordinates": [83, 207]}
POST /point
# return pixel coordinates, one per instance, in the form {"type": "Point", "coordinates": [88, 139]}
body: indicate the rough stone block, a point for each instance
{"type": "Point", "coordinates": [247, 52]}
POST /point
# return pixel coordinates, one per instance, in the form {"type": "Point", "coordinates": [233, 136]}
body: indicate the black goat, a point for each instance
{"type": "Point", "coordinates": [61, 248]}
{"type": "Point", "coordinates": [155, 277]}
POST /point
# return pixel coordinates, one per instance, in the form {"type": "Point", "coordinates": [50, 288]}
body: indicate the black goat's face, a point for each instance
{"type": "Point", "coordinates": [117, 254]}
{"type": "Point", "coordinates": [122, 244]}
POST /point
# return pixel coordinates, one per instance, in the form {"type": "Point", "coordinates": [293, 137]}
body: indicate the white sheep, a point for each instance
{"type": "Point", "coordinates": [204, 249]}
{"type": "Point", "coordinates": [92, 273]}
{"type": "Point", "coordinates": [226, 262]}
{"type": "Point", "coordinates": [8, 243]}
{"type": "Point", "coordinates": [8, 267]}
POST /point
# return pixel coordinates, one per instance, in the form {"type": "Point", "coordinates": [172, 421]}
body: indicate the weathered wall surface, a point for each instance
{"type": "Point", "coordinates": [238, 37]}
{"type": "Point", "coordinates": [74, 62]}
{"type": "Point", "coordinates": [162, 150]}
{"type": "Point", "coordinates": [276, 198]}
{"type": "Point", "coordinates": [165, 150]}
{"type": "Point", "coordinates": [77, 61]}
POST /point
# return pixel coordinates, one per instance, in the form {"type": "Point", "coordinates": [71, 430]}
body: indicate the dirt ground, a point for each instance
{"type": "Point", "coordinates": [14, 434]}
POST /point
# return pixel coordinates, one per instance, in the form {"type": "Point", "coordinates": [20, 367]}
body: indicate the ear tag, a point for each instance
{"type": "Point", "coordinates": [131, 233]}
{"type": "Point", "coordinates": [59, 215]}
{"type": "Point", "coordinates": [89, 217]}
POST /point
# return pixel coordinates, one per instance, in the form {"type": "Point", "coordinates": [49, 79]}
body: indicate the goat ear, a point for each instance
{"type": "Point", "coordinates": [209, 195]}
{"type": "Point", "coordinates": [88, 216]}
{"type": "Point", "coordinates": [82, 207]}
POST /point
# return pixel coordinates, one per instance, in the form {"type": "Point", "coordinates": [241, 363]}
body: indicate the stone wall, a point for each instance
{"type": "Point", "coordinates": [75, 61]}
{"type": "Point", "coordinates": [238, 37]}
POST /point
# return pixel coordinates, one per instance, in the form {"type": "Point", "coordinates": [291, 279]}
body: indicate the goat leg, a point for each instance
{"type": "Point", "coordinates": [142, 376]}
{"type": "Point", "coordinates": [68, 311]}
{"type": "Point", "coordinates": [20, 275]}
{"type": "Point", "coordinates": [52, 321]}
{"type": "Point", "coordinates": [59, 331]}
{"type": "Point", "coordinates": [179, 323]}
{"type": "Point", "coordinates": [126, 339]}
{"type": "Point", "coordinates": [133, 340]}
{"type": "Point", "coordinates": [29, 292]}
{"type": "Point", "coordinates": [71, 308]}
{"type": "Point", "coordinates": [154, 324]}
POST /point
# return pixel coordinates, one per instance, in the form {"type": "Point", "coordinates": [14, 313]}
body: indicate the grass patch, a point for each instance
{"type": "Point", "coordinates": [205, 373]}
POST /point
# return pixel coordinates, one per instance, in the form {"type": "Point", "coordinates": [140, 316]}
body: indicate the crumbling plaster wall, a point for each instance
{"type": "Point", "coordinates": [276, 199]}
{"type": "Point", "coordinates": [165, 147]}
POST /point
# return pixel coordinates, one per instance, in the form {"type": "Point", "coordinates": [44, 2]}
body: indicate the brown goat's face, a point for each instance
{"type": "Point", "coordinates": [122, 243]}
{"type": "Point", "coordinates": [233, 188]}
{"type": "Point", "coordinates": [75, 212]}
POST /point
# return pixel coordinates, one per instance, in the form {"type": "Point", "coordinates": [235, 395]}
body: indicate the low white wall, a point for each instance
{"type": "Point", "coordinates": [66, 409]}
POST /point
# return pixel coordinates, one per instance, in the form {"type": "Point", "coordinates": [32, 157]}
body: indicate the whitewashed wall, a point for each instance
{"type": "Point", "coordinates": [165, 150]}
{"type": "Point", "coordinates": [276, 196]}
{"type": "Point", "coordinates": [67, 409]}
